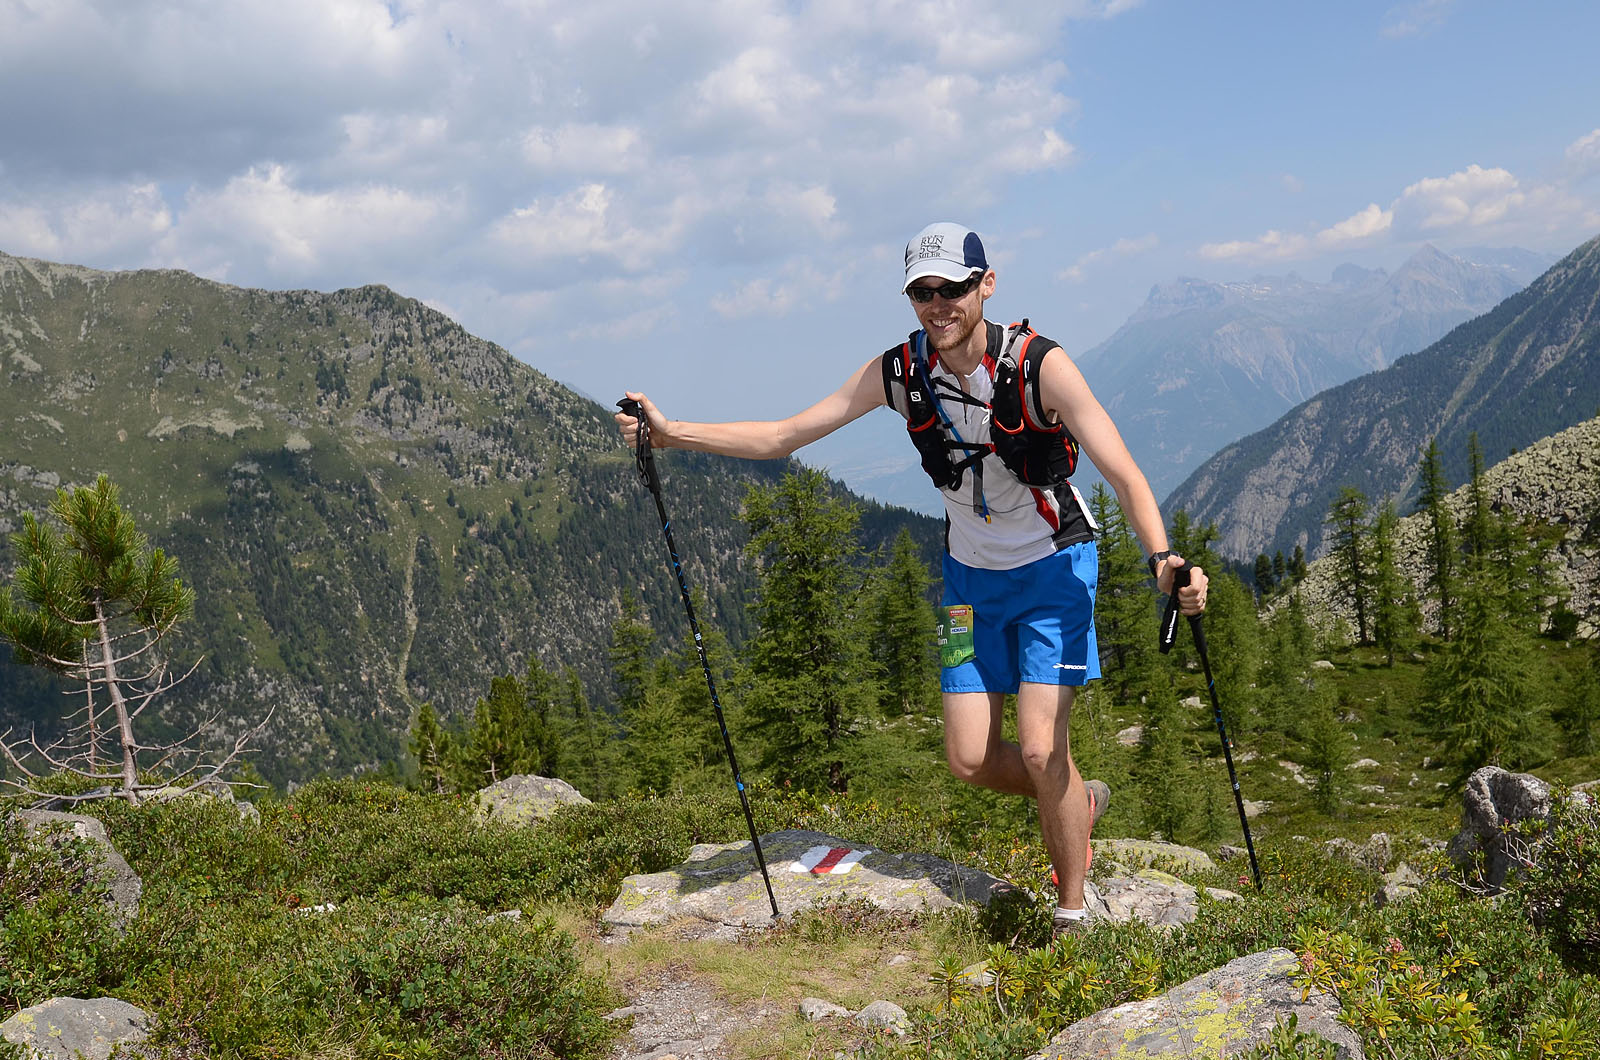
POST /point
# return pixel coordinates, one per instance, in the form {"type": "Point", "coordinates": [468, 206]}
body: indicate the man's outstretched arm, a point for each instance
{"type": "Point", "coordinates": [763, 439]}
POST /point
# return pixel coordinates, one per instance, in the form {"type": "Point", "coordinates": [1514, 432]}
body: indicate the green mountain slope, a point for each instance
{"type": "Point", "coordinates": [1525, 370]}
{"type": "Point", "coordinates": [376, 508]}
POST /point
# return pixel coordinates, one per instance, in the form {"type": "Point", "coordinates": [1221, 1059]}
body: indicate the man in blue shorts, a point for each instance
{"type": "Point", "coordinates": [998, 416]}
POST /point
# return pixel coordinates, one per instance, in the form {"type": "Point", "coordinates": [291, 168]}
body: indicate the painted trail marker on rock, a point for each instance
{"type": "Point", "coordinates": [821, 860]}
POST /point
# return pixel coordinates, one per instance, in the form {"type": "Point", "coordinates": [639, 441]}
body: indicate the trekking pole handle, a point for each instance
{"type": "Point", "coordinates": [1169, 617]}
{"type": "Point", "coordinates": [642, 455]}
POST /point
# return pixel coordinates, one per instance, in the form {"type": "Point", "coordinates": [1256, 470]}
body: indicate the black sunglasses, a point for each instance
{"type": "Point", "coordinates": [948, 291]}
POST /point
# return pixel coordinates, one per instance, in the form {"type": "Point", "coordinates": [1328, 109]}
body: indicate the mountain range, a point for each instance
{"type": "Point", "coordinates": [376, 509]}
{"type": "Point", "coordinates": [1202, 364]}
{"type": "Point", "coordinates": [1526, 369]}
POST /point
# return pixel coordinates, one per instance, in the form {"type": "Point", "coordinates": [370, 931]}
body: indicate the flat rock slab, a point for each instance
{"type": "Point", "coordinates": [721, 883]}
{"type": "Point", "coordinates": [526, 799]}
{"type": "Point", "coordinates": [66, 1028]}
{"type": "Point", "coordinates": [1222, 1013]}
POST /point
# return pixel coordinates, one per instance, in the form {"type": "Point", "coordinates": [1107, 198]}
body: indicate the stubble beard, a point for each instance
{"type": "Point", "coordinates": [958, 339]}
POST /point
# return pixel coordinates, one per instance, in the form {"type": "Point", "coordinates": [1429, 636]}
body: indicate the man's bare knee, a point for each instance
{"type": "Point", "coordinates": [1041, 760]}
{"type": "Point", "coordinates": [969, 769]}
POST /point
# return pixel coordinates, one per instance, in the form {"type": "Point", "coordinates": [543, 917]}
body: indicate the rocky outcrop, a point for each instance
{"type": "Point", "coordinates": [107, 867]}
{"type": "Point", "coordinates": [1554, 482]}
{"type": "Point", "coordinates": [1494, 803]}
{"type": "Point", "coordinates": [527, 799]}
{"type": "Point", "coordinates": [1157, 898]}
{"type": "Point", "coordinates": [1223, 1013]}
{"type": "Point", "coordinates": [70, 1028]}
{"type": "Point", "coordinates": [721, 885]}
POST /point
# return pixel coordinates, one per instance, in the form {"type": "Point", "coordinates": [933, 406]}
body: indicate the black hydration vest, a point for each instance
{"type": "Point", "coordinates": [1036, 451]}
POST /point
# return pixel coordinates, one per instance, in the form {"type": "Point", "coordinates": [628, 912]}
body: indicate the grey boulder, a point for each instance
{"type": "Point", "coordinates": [882, 1015]}
{"type": "Point", "coordinates": [1398, 885]}
{"type": "Point", "coordinates": [527, 799]}
{"type": "Point", "coordinates": [1494, 803]}
{"type": "Point", "coordinates": [1224, 1012]}
{"type": "Point", "coordinates": [67, 1028]}
{"type": "Point", "coordinates": [1157, 898]}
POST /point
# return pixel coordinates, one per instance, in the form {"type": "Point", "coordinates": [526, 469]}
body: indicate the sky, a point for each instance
{"type": "Point", "coordinates": [708, 200]}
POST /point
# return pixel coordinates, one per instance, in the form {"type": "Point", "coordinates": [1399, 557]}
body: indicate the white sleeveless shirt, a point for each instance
{"type": "Point", "coordinates": [1021, 519]}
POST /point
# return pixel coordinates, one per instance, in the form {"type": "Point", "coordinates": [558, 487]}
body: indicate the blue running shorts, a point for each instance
{"type": "Point", "coordinates": [1033, 623]}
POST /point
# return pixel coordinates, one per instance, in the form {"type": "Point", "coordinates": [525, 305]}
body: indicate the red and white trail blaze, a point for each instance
{"type": "Point", "coordinates": [827, 861]}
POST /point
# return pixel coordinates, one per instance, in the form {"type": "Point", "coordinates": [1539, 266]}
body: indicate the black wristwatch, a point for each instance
{"type": "Point", "coordinates": [1155, 560]}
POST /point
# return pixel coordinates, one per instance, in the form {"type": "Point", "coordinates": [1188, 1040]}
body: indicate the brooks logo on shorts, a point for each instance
{"type": "Point", "coordinates": [1069, 666]}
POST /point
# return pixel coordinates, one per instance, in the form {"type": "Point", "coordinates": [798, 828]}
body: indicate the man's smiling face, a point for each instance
{"type": "Point", "coordinates": [951, 321]}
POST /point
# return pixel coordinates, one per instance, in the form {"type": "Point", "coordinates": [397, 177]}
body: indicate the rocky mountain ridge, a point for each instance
{"type": "Point", "coordinates": [1554, 482]}
{"type": "Point", "coordinates": [1524, 370]}
{"type": "Point", "coordinates": [1201, 364]}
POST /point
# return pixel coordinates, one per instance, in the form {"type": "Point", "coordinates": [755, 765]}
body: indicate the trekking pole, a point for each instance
{"type": "Point", "coordinates": [646, 463]}
{"type": "Point", "coordinates": [1169, 635]}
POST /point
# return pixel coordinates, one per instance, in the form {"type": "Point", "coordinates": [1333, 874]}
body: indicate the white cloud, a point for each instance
{"type": "Point", "coordinates": [1122, 248]}
{"type": "Point", "coordinates": [1358, 229]}
{"type": "Point", "coordinates": [1476, 203]}
{"type": "Point", "coordinates": [1471, 198]}
{"type": "Point", "coordinates": [1583, 154]}
{"type": "Point", "coordinates": [587, 223]}
{"type": "Point", "coordinates": [263, 213]}
{"type": "Point", "coordinates": [1415, 18]}
{"type": "Point", "coordinates": [584, 147]}
{"type": "Point", "coordinates": [117, 224]}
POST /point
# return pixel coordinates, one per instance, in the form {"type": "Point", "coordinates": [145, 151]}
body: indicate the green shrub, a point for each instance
{"type": "Point", "coordinates": [416, 979]}
{"type": "Point", "coordinates": [56, 930]}
{"type": "Point", "coordinates": [1562, 885]}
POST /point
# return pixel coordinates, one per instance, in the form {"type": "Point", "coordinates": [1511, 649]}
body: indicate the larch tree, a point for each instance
{"type": "Point", "coordinates": [1441, 550]}
{"type": "Point", "coordinates": [1395, 617]}
{"type": "Point", "coordinates": [1347, 515]}
{"type": "Point", "coordinates": [903, 625]}
{"type": "Point", "coordinates": [811, 675]}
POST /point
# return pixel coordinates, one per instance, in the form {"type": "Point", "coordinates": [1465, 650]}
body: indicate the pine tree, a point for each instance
{"type": "Point", "coordinates": [632, 646]}
{"type": "Point", "coordinates": [903, 625]}
{"type": "Point", "coordinates": [1124, 607]}
{"type": "Point", "coordinates": [1326, 749]}
{"type": "Point", "coordinates": [1579, 715]}
{"type": "Point", "coordinates": [1478, 531]}
{"type": "Point", "coordinates": [585, 735]}
{"type": "Point", "coordinates": [1164, 772]}
{"type": "Point", "coordinates": [1280, 569]}
{"type": "Point", "coordinates": [1287, 641]}
{"type": "Point", "coordinates": [1348, 517]}
{"type": "Point", "coordinates": [1297, 565]}
{"type": "Point", "coordinates": [811, 674]}
{"type": "Point", "coordinates": [1263, 575]}
{"type": "Point", "coordinates": [1441, 535]}
{"type": "Point", "coordinates": [1485, 688]}
{"type": "Point", "coordinates": [432, 747]}
{"type": "Point", "coordinates": [95, 604]}
{"type": "Point", "coordinates": [510, 732]}
{"type": "Point", "coordinates": [1395, 617]}
{"type": "Point", "coordinates": [1233, 634]}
